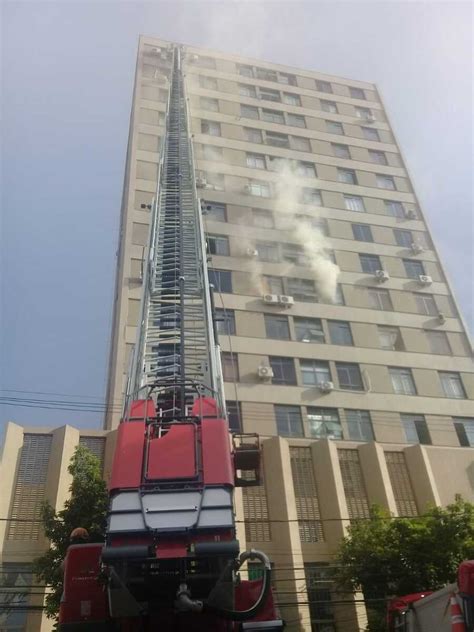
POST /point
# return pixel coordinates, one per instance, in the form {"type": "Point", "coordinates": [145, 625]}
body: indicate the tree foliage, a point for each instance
{"type": "Point", "coordinates": [86, 507]}
{"type": "Point", "coordinates": [384, 557]}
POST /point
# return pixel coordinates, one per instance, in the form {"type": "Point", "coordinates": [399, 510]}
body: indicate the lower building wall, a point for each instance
{"type": "Point", "coordinates": [310, 491]}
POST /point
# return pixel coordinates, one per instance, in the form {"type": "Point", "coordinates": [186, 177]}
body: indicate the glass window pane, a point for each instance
{"type": "Point", "coordinates": [323, 86]}
{"type": "Point", "coordinates": [214, 211]}
{"type": "Point", "coordinates": [413, 268]}
{"type": "Point", "coordinates": [370, 133]}
{"type": "Point", "coordinates": [402, 381]}
{"type": "Point", "coordinates": [452, 385]}
{"type": "Point", "coordinates": [288, 421]}
{"type": "Point", "coordinates": [277, 140]}
{"type": "Point", "coordinates": [253, 135]}
{"type": "Point", "coordinates": [324, 423]}
{"type": "Point", "coordinates": [385, 182]}
{"type": "Point", "coordinates": [263, 218]}
{"type": "Point", "coordinates": [379, 299]}
{"type": "Point", "coordinates": [362, 232]}
{"type": "Point", "coordinates": [314, 372]}
{"type": "Point", "coordinates": [273, 116]}
{"type": "Point", "coordinates": [225, 321]}
{"type": "Point", "coordinates": [416, 430]}
{"type": "Point", "coordinates": [300, 143]}
{"type": "Point", "coordinates": [356, 93]}
{"type": "Point", "coordinates": [359, 425]}
{"type": "Point", "coordinates": [283, 370]}
{"type": "Point", "coordinates": [328, 106]}
{"type": "Point", "coordinates": [349, 376]}
{"type": "Point", "coordinates": [221, 280]}
{"type": "Point", "coordinates": [249, 111]}
{"type": "Point", "coordinates": [425, 304]}
{"type": "Point", "coordinates": [347, 176]}
{"type": "Point", "coordinates": [333, 127]}
{"type": "Point", "coordinates": [394, 208]}
{"type": "Point", "coordinates": [308, 330]}
{"type": "Point", "coordinates": [296, 120]}
{"type": "Point", "coordinates": [340, 332]}
{"type": "Point", "coordinates": [311, 196]}
{"type": "Point", "coordinates": [256, 161]}
{"type": "Point", "coordinates": [268, 251]}
{"type": "Point", "coordinates": [438, 341]}
{"type": "Point", "coordinates": [230, 367]}
{"type": "Point", "coordinates": [273, 285]}
{"type": "Point", "coordinates": [464, 427]}
{"type": "Point", "coordinates": [341, 151]}
{"type": "Point", "coordinates": [291, 99]}
{"type": "Point", "coordinates": [404, 238]}
{"type": "Point", "coordinates": [234, 416]}
{"type": "Point", "coordinates": [218, 245]}
{"type": "Point", "coordinates": [302, 289]}
{"type": "Point", "coordinates": [390, 338]}
{"type": "Point", "coordinates": [354, 203]}
{"type": "Point", "coordinates": [370, 263]}
{"type": "Point", "coordinates": [277, 327]}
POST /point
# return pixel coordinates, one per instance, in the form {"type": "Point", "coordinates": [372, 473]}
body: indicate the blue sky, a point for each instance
{"type": "Point", "coordinates": [67, 76]}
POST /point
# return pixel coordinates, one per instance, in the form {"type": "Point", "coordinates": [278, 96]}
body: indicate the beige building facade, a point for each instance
{"type": "Point", "coordinates": [367, 398]}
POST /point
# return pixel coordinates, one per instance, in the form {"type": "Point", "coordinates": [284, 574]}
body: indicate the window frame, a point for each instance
{"type": "Point", "coordinates": [330, 423]}
{"type": "Point", "coordinates": [361, 231]}
{"type": "Point", "coordinates": [359, 424]}
{"type": "Point", "coordinates": [351, 368]}
{"type": "Point", "coordinates": [316, 324]}
{"type": "Point", "coordinates": [216, 243]}
{"type": "Point", "coordinates": [385, 304]}
{"type": "Point", "coordinates": [286, 366]}
{"type": "Point", "coordinates": [406, 384]}
{"type": "Point", "coordinates": [311, 371]}
{"type": "Point", "coordinates": [276, 324]}
{"type": "Point", "coordinates": [459, 392]}
{"type": "Point", "coordinates": [220, 275]}
{"type": "Point", "coordinates": [290, 416]}
{"type": "Point", "coordinates": [346, 339]}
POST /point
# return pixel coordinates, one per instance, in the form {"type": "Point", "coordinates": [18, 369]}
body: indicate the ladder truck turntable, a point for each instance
{"type": "Point", "coordinates": [171, 560]}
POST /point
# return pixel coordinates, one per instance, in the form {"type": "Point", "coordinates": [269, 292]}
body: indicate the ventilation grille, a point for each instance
{"type": "Point", "coordinates": [30, 488]}
{"type": "Point", "coordinates": [306, 495]}
{"type": "Point", "coordinates": [353, 482]}
{"type": "Point", "coordinates": [96, 445]}
{"type": "Point", "coordinates": [257, 525]}
{"type": "Point", "coordinates": [401, 485]}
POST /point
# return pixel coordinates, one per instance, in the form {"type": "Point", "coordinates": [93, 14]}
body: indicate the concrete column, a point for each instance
{"type": "Point", "coordinates": [421, 476]}
{"type": "Point", "coordinates": [376, 476]}
{"type": "Point", "coordinates": [58, 481]}
{"type": "Point", "coordinates": [9, 462]}
{"type": "Point", "coordinates": [286, 551]}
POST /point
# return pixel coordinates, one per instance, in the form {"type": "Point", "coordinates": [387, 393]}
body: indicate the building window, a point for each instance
{"type": "Point", "coordinates": [340, 151]}
{"type": "Point", "coordinates": [359, 425]}
{"type": "Point", "coordinates": [362, 232]}
{"type": "Point", "coordinates": [209, 104]}
{"type": "Point", "coordinates": [283, 370]}
{"type": "Point", "coordinates": [245, 71]}
{"type": "Point", "coordinates": [256, 161]}
{"type": "Point", "coordinates": [265, 74]}
{"type": "Point", "coordinates": [288, 421]}
{"type": "Point", "coordinates": [378, 157]}
{"type": "Point", "coordinates": [452, 384]}
{"type": "Point", "coordinates": [306, 495]}
{"type": "Point", "coordinates": [464, 427]}
{"type": "Point", "coordinates": [402, 381]}
{"type": "Point", "coordinates": [221, 280]}
{"type": "Point", "coordinates": [247, 91]}
{"type": "Point", "coordinates": [234, 416]}
{"type": "Point", "coordinates": [340, 332]}
{"type": "Point", "coordinates": [356, 93]}
{"type": "Point", "coordinates": [333, 127]}
{"type": "Point", "coordinates": [416, 430]}
{"type": "Point", "coordinates": [273, 284]}
{"type": "Point", "coordinates": [349, 376]}
{"type": "Point", "coordinates": [308, 330]}
{"type": "Point", "coordinates": [218, 245]}
{"type": "Point", "coordinates": [394, 208]}
{"type": "Point", "coordinates": [268, 251]}
{"type": "Point", "coordinates": [305, 169]}
{"type": "Point", "coordinates": [277, 327]}
{"type": "Point", "coordinates": [211, 127]}
{"type": "Point", "coordinates": [230, 367]}
{"type": "Point", "coordinates": [17, 580]}
{"type": "Point", "coordinates": [370, 263]}
{"type": "Point", "coordinates": [404, 238]}
{"type": "Point", "coordinates": [323, 423]}
{"type": "Point", "coordinates": [318, 586]}
{"type": "Point", "coordinates": [291, 99]}
{"type": "Point", "coordinates": [363, 113]}
{"type": "Point", "coordinates": [289, 80]}
{"type": "Point", "coordinates": [323, 86]}
{"type": "Point", "coordinates": [273, 116]}
{"type": "Point", "coordinates": [347, 176]}
{"type": "Point", "coordinates": [253, 135]}
{"type": "Point", "coordinates": [249, 111]}
{"type": "Point", "coordinates": [263, 218]}
{"type": "Point", "coordinates": [295, 120]}
{"type": "Point", "coordinates": [413, 268]}
{"type": "Point", "coordinates": [208, 83]}
{"type": "Point", "coordinates": [314, 372]}
{"type": "Point", "coordinates": [439, 343]}
{"type": "Point", "coordinates": [385, 182]}
{"type": "Point", "coordinates": [277, 140]}
{"type": "Point", "coordinates": [259, 189]}
{"type": "Point", "coordinates": [302, 290]}
{"type": "Point", "coordinates": [311, 196]}
{"type": "Point", "coordinates": [214, 211]}
{"type": "Point", "coordinates": [293, 253]}
{"type": "Point", "coordinates": [301, 144]}
{"type": "Point", "coordinates": [30, 488]}
{"type": "Point", "coordinates": [370, 133]}
{"type": "Point", "coordinates": [379, 299]}
{"type": "Point", "coordinates": [225, 321]}
{"type": "Point", "coordinates": [425, 304]}
{"type": "Point", "coordinates": [390, 338]}
{"type": "Point", "coordinates": [328, 106]}
{"type": "Point", "coordinates": [354, 203]}
{"type": "Point", "coordinates": [339, 297]}
{"type": "Point", "coordinates": [265, 94]}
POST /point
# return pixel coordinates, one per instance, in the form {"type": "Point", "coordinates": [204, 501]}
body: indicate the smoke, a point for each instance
{"type": "Point", "coordinates": [306, 235]}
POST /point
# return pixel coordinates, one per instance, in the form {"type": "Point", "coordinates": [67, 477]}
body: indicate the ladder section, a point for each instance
{"type": "Point", "coordinates": [175, 350]}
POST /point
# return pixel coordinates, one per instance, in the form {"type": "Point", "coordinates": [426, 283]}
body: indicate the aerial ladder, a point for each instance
{"type": "Point", "coordinates": [171, 559]}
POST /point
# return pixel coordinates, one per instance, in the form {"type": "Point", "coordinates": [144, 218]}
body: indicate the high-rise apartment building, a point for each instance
{"type": "Point", "coordinates": [342, 344]}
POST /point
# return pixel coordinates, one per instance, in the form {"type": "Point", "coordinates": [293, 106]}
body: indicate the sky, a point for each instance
{"type": "Point", "coordinates": [66, 84]}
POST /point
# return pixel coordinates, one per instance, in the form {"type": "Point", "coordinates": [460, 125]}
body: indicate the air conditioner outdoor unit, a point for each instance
{"type": "Point", "coordinates": [382, 276]}
{"type": "Point", "coordinates": [424, 279]}
{"type": "Point", "coordinates": [410, 214]}
{"type": "Point", "coordinates": [201, 183]}
{"type": "Point", "coordinates": [252, 253]}
{"type": "Point", "coordinates": [265, 372]}
{"type": "Point", "coordinates": [416, 248]}
{"type": "Point", "coordinates": [288, 301]}
{"type": "Point", "coordinates": [326, 387]}
{"type": "Point", "coordinates": [270, 298]}
{"type": "Point", "coordinates": [441, 318]}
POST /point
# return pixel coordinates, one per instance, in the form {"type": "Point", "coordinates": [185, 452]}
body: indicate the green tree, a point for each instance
{"type": "Point", "coordinates": [86, 507]}
{"type": "Point", "coordinates": [384, 557]}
